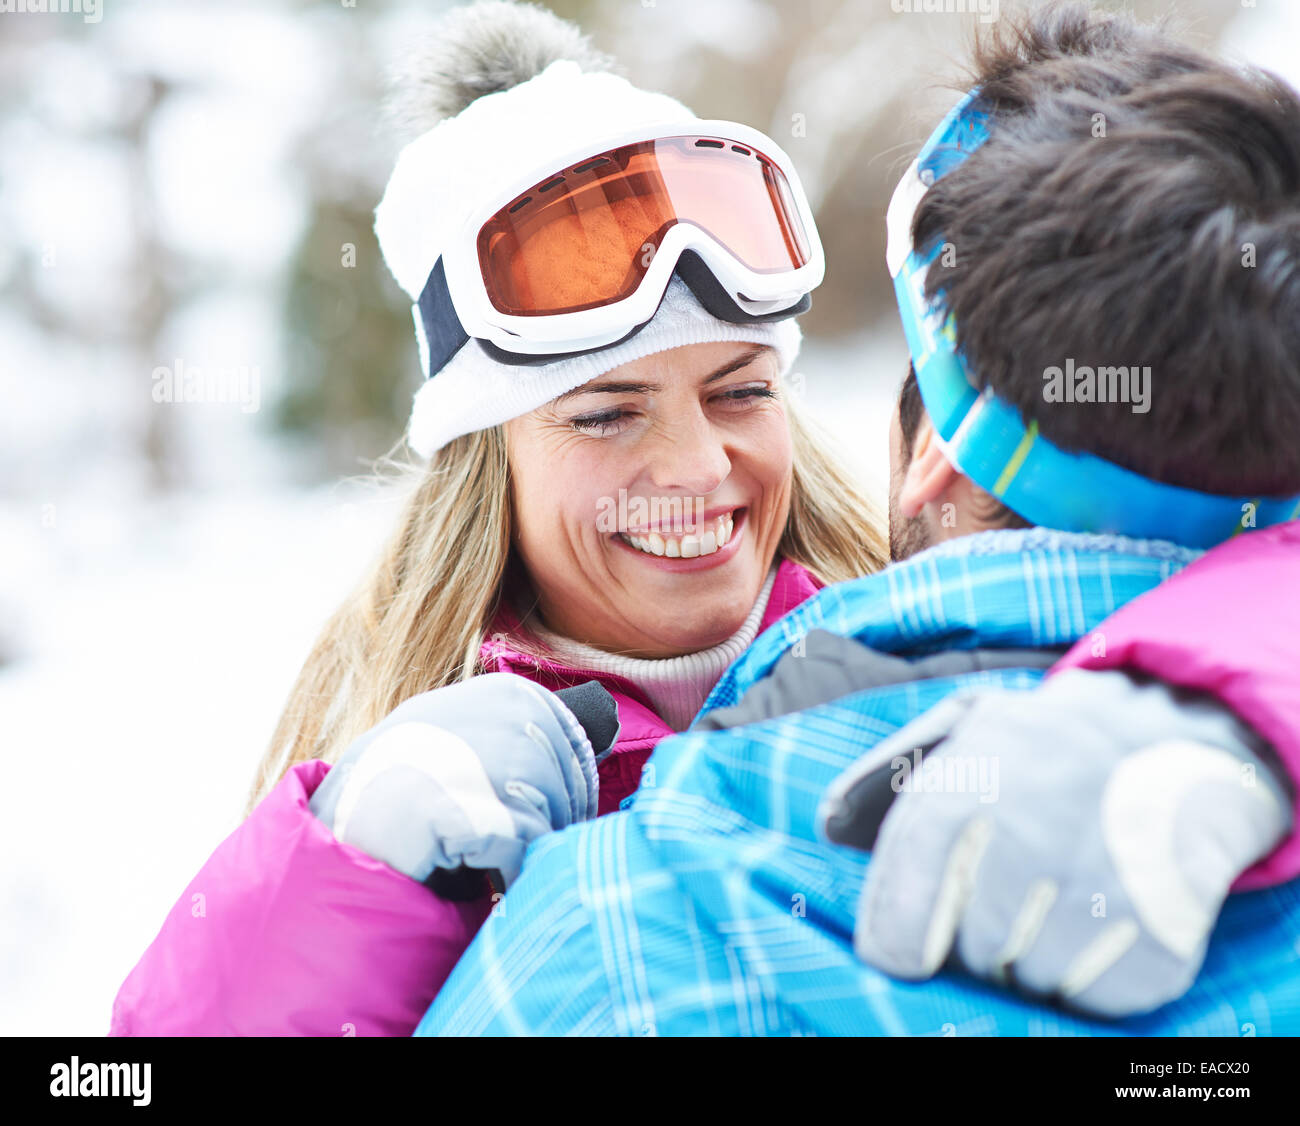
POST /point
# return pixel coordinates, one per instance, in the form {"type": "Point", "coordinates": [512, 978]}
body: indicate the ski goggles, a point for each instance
{"type": "Point", "coordinates": [577, 256]}
{"type": "Point", "coordinates": [987, 439]}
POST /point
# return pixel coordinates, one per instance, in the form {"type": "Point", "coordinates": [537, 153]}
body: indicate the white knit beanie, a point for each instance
{"type": "Point", "coordinates": [543, 103]}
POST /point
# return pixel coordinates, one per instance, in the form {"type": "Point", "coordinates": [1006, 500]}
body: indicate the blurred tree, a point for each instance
{"type": "Point", "coordinates": [351, 364]}
{"type": "Point", "coordinates": [352, 360]}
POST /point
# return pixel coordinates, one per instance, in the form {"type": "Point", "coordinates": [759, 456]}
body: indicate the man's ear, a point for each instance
{"type": "Point", "coordinates": [929, 474]}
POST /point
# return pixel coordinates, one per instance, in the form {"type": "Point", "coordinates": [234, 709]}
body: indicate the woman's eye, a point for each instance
{"type": "Point", "coordinates": [615, 419]}
{"type": "Point", "coordinates": [605, 422]}
{"type": "Point", "coordinates": [744, 395]}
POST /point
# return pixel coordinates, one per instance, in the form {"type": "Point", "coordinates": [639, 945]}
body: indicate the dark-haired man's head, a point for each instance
{"type": "Point", "coordinates": [1136, 207]}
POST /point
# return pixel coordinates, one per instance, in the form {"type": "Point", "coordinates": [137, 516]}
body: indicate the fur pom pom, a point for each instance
{"type": "Point", "coordinates": [480, 49]}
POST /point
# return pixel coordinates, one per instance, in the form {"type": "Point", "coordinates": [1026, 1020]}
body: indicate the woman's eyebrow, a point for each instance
{"type": "Point", "coordinates": [615, 387]}
{"type": "Point", "coordinates": [743, 360]}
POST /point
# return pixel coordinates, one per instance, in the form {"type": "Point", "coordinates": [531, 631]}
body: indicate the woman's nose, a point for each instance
{"type": "Point", "coordinates": [690, 458]}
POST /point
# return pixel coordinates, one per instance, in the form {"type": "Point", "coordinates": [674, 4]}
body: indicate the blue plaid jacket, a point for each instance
{"type": "Point", "coordinates": [708, 905]}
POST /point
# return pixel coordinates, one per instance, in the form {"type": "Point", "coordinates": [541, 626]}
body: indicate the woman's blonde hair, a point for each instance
{"type": "Point", "coordinates": [418, 619]}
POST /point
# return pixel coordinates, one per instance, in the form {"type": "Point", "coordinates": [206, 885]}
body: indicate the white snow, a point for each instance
{"type": "Point", "coordinates": [165, 645]}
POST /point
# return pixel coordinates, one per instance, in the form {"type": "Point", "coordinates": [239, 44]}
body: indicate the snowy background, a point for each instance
{"type": "Point", "coordinates": [177, 181]}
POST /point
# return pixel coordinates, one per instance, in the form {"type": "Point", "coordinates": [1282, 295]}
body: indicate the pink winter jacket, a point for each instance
{"type": "Point", "coordinates": [287, 932]}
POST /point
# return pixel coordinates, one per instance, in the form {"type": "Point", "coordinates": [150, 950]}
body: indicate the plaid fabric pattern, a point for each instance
{"type": "Point", "coordinates": [708, 906]}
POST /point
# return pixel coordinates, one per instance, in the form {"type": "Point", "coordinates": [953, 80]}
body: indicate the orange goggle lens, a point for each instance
{"type": "Point", "coordinates": [586, 236]}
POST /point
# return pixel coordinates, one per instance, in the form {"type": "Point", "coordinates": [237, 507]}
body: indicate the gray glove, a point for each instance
{"type": "Point", "coordinates": [469, 775]}
{"type": "Point", "coordinates": [1076, 841]}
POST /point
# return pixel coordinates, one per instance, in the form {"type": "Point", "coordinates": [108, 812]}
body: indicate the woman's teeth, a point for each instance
{"type": "Point", "coordinates": [688, 546]}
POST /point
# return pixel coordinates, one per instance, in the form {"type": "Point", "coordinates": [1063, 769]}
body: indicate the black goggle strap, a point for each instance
{"type": "Point", "coordinates": [445, 335]}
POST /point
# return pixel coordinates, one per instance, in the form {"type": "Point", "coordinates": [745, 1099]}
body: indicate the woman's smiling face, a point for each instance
{"type": "Point", "coordinates": [648, 504]}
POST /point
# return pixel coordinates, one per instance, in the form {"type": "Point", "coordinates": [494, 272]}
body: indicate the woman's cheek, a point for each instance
{"type": "Point", "coordinates": [537, 507]}
{"type": "Point", "coordinates": [579, 499]}
{"type": "Point", "coordinates": [774, 450]}
{"type": "Point", "coordinates": [774, 470]}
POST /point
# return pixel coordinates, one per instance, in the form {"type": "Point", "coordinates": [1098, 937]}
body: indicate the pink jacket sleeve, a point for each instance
{"type": "Point", "coordinates": [285, 931]}
{"type": "Point", "coordinates": [1228, 625]}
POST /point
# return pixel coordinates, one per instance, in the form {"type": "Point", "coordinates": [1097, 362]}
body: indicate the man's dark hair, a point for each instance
{"type": "Point", "coordinates": [1164, 233]}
